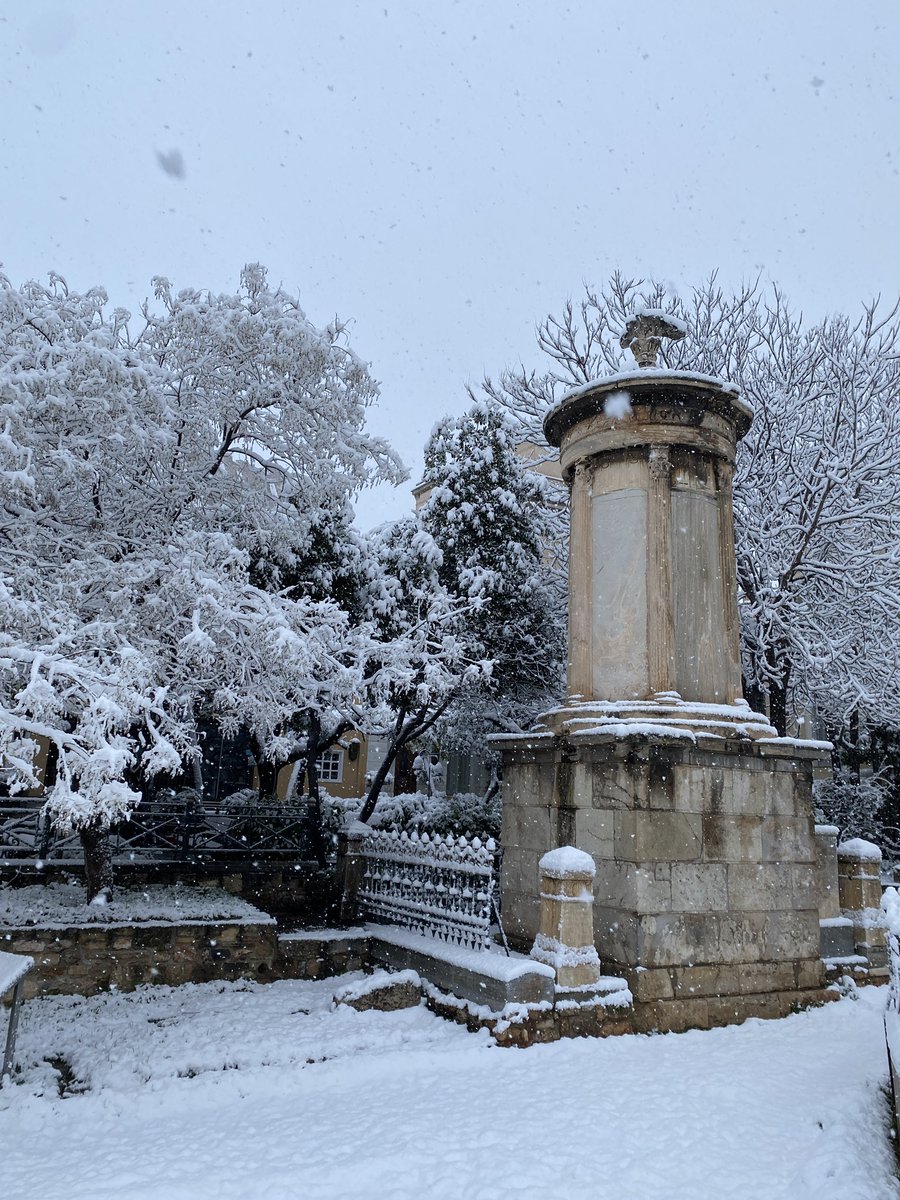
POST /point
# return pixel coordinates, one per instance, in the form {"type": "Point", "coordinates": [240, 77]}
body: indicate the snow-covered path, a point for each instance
{"type": "Point", "coordinates": [209, 1091]}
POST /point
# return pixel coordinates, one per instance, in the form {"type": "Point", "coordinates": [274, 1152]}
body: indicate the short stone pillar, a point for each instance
{"type": "Point", "coordinates": [566, 938]}
{"type": "Point", "coordinates": [859, 883]}
{"type": "Point", "coordinates": [836, 939]}
{"type": "Point", "coordinates": [350, 868]}
{"type": "Point", "coordinates": [827, 883]}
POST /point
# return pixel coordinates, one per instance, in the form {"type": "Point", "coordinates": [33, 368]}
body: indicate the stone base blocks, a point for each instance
{"type": "Point", "coordinates": [86, 959]}
{"type": "Point", "coordinates": [705, 894]}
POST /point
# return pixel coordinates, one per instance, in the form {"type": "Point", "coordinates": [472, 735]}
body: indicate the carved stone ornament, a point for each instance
{"type": "Point", "coordinates": [584, 474]}
{"type": "Point", "coordinates": [660, 462]}
{"type": "Point", "coordinates": [644, 332]}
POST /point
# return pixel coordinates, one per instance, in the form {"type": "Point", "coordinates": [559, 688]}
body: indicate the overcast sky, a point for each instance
{"type": "Point", "coordinates": [444, 174]}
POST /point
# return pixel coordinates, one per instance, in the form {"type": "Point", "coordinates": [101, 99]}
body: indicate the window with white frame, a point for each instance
{"type": "Point", "coordinates": [330, 766]}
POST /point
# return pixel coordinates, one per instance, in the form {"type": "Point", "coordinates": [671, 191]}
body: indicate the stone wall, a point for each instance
{"type": "Point", "coordinates": [322, 954]}
{"type": "Point", "coordinates": [86, 959]}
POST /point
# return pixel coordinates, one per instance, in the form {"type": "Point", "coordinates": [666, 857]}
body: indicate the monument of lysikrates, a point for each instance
{"type": "Point", "coordinates": [697, 815]}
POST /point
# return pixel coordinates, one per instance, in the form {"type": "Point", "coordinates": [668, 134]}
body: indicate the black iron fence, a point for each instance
{"type": "Point", "coordinates": [169, 830]}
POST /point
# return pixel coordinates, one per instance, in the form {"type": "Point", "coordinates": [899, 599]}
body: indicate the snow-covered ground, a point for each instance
{"type": "Point", "coordinates": [263, 1092]}
{"type": "Point", "coordinates": [60, 905]}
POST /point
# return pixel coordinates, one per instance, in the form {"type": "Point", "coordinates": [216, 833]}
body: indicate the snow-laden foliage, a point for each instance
{"type": "Point", "coordinates": [160, 484]}
{"type": "Point", "coordinates": [490, 518]}
{"type": "Point", "coordinates": [422, 658]}
{"type": "Point", "coordinates": [461, 813]}
{"type": "Point", "coordinates": [818, 476]}
{"type": "Point", "coordinates": [469, 618]}
{"type": "Point", "coordinates": [854, 804]}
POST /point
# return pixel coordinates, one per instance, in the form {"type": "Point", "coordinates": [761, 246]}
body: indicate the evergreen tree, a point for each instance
{"type": "Point", "coordinates": [489, 515]}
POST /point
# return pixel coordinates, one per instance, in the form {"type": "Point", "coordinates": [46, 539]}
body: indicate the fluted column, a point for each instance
{"type": "Point", "coordinates": [660, 625]}
{"type": "Point", "coordinates": [580, 588]}
{"type": "Point", "coordinates": [724, 472]}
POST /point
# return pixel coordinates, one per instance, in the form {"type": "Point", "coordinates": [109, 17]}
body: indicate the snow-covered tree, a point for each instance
{"type": "Point", "coordinates": [145, 474]}
{"type": "Point", "coordinates": [817, 483]}
{"type": "Point", "coordinates": [422, 659]}
{"type": "Point", "coordinates": [490, 518]}
{"type": "Point", "coordinates": [333, 567]}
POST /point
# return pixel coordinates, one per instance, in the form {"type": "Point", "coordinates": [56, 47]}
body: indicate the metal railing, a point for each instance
{"type": "Point", "coordinates": [166, 831]}
{"type": "Point", "coordinates": [439, 886]}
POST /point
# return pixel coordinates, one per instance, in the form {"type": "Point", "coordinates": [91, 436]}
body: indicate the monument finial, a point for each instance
{"type": "Point", "coordinates": [644, 331]}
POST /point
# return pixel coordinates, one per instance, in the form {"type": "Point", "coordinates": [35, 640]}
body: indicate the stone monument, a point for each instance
{"type": "Point", "coordinates": [698, 816]}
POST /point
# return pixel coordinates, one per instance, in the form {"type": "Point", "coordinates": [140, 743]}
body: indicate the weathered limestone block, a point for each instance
{"type": "Point", "coordinates": [788, 839]}
{"type": "Point", "coordinates": [756, 886]}
{"type": "Point", "coordinates": [382, 990]}
{"type": "Point", "coordinates": [565, 941]}
{"type": "Point", "coordinates": [658, 836]}
{"type": "Point", "coordinates": [729, 837]}
{"type": "Point", "coordinates": [827, 871]}
{"type": "Point", "coordinates": [597, 832]}
{"type": "Point", "coordinates": [699, 887]}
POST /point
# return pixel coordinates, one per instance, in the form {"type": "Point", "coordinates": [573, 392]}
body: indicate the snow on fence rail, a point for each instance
{"type": "Point", "coordinates": [429, 884]}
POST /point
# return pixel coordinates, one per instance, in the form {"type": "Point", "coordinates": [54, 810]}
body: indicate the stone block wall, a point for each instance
{"type": "Point", "coordinates": [319, 954]}
{"type": "Point", "coordinates": [86, 959]}
{"type": "Point", "coordinates": [706, 886]}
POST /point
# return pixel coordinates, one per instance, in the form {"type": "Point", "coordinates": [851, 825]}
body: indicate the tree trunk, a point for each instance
{"type": "Point", "coordinates": [314, 733]}
{"type": "Point", "coordinates": [778, 708]}
{"type": "Point", "coordinates": [778, 692]}
{"type": "Point", "coordinates": [493, 786]}
{"type": "Point", "coordinates": [853, 756]}
{"type": "Point", "coordinates": [98, 868]}
{"type": "Point", "coordinates": [380, 776]}
{"type": "Point", "coordinates": [755, 696]}
{"type": "Point", "coordinates": [406, 729]}
{"type": "Point", "coordinates": [266, 772]}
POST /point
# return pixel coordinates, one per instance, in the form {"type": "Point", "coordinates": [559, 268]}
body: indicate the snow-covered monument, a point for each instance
{"type": "Point", "coordinates": [697, 815]}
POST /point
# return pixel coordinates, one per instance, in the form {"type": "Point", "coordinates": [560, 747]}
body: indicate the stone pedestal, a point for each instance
{"type": "Point", "coordinates": [350, 868]}
{"type": "Point", "coordinates": [565, 940]}
{"type": "Point", "coordinates": [859, 882]}
{"type": "Point", "coordinates": [836, 938]}
{"type": "Point", "coordinates": [705, 895]}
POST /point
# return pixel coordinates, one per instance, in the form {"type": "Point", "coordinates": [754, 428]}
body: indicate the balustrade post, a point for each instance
{"type": "Point", "coordinates": [859, 884]}
{"type": "Point", "coordinates": [566, 938]}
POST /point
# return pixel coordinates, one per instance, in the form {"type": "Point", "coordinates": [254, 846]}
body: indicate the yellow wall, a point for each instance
{"type": "Point", "coordinates": [353, 772]}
